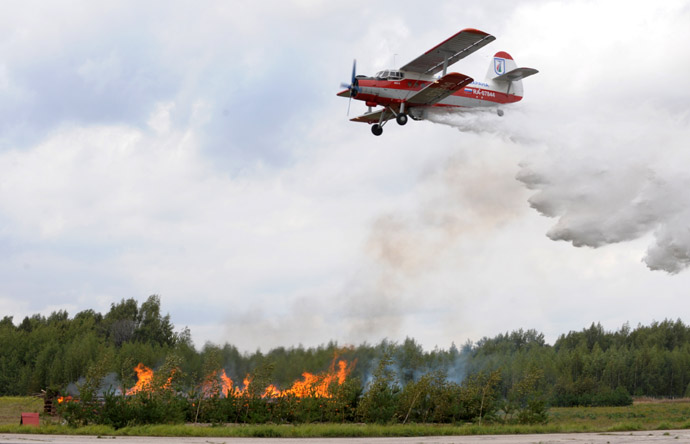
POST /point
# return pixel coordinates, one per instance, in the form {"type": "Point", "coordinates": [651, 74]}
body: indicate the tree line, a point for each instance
{"type": "Point", "coordinates": [588, 367]}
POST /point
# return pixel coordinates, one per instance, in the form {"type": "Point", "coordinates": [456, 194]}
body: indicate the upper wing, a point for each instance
{"type": "Point", "coordinates": [455, 48]}
{"type": "Point", "coordinates": [440, 89]}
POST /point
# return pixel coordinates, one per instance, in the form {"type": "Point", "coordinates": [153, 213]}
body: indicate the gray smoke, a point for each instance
{"type": "Point", "coordinates": [466, 194]}
{"type": "Point", "coordinates": [458, 200]}
{"type": "Point", "coordinates": [72, 388]}
{"type": "Point", "coordinates": [109, 384]}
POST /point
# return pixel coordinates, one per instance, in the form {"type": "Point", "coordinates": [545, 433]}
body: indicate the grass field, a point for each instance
{"type": "Point", "coordinates": [647, 415]}
{"type": "Point", "coordinates": [640, 416]}
{"type": "Point", "coordinates": [11, 408]}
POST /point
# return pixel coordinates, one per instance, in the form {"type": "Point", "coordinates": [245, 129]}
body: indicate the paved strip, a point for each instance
{"type": "Point", "coordinates": [649, 437]}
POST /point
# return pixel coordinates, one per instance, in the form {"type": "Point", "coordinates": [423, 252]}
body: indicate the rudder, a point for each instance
{"type": "Point", "coordinates": [501, 63]}
{"type": "Point", "coordinates": [505, 76]}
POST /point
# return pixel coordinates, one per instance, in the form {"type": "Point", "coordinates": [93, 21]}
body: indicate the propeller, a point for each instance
{"type": "Point", "coordinates": [353, 86]}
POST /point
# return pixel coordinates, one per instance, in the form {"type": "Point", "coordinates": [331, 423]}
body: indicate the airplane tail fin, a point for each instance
{"type": "Point", "coordinates": [506, 76]}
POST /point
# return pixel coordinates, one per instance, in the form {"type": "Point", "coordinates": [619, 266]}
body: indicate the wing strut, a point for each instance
{"type": "Point", "coordinates": [445, 63]}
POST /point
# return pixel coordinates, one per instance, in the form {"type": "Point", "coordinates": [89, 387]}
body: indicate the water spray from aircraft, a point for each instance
{"type": "Point", "coordinates": [604, 184]}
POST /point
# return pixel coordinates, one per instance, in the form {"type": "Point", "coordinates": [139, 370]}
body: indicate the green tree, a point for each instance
{"type": "Point", "coordinates": [379, 402]}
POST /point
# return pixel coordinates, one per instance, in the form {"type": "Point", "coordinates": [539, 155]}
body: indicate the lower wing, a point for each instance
{"type": "Point", "coordinates": [375, 117]}
{"type": "Point", "coordinates": [439, 90]}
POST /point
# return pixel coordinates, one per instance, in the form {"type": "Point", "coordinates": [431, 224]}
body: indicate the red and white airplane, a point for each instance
{"type": "Point", "coordinates": [414, 88]}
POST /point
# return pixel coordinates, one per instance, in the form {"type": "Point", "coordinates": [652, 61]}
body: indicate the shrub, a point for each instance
{"type": "Point", "coordinates": [587, 393]}
{"type": "Point", "coordinates": [380, 400]}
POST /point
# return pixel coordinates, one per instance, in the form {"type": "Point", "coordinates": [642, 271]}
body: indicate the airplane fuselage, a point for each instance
{"type": "Point", "coordinates": [394, 92]}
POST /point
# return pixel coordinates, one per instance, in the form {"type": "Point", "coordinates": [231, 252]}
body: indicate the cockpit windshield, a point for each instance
{"type": "Point", "coordinates": [389, 75]}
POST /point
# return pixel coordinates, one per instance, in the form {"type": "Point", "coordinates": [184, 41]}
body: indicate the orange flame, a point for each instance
{"type": "Point", "coordinates": [144, 378]}
{"type": "Point", "coordinates": [226, 384]}
{"type": "Point", "coordinates": [317, 385]}
{"type": "Point", "coordinates": [61, 399]}
{"type": "Point", "coordinates": [217, 380]}
{"type": "Point", "coordinates": [168, 383]}
{"type": "Point", "coordinates": [310, 385]}
{"type": "Point", "coordinates": [241, 391]}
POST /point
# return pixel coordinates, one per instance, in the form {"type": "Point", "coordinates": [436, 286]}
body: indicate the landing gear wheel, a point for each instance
{"type": "Point", "coordinates": [499, 112]}
{"type": "Point", "coordinates": [401, 119]}
{"type": "Point", "coordinates": [376, 129]}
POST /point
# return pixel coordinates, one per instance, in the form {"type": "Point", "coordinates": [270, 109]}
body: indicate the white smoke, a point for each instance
{"type": "Point", "coordinates": [619, 184]}
{"type": "Point", "coordinates": [606, 178]}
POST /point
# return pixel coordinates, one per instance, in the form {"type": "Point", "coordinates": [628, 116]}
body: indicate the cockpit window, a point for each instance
{"type": "Point", "coordinates": [389, 75]}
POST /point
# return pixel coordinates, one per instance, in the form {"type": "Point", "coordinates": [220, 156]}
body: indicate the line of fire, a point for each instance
{"type": "Point", "coordinates": [219, 384]}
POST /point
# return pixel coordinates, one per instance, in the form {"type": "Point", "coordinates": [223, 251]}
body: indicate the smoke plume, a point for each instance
{"type": "Point", "coordinates": [605, 178]}
{"type": "Point", "coordinates": [457, 203]}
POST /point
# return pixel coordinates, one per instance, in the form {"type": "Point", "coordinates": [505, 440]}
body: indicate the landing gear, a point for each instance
{"type": "Point", "coordinates": [499, 112]}
{"type": "Point", "coordinates": [400, 117]}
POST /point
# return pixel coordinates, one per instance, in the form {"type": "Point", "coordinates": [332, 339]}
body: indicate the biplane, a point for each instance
{"type": "Point", "coordinates": [425, 83]}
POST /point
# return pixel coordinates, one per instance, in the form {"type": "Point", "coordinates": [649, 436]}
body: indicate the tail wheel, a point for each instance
{"type": "Point", "coordinates": [401, 119]}
{"type": "Point", "coordinates": [377, 129]}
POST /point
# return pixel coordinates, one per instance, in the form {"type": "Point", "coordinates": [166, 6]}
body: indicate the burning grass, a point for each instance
{"type": "Point", "coordinates": [164, 396]}
{"type": "Point", "coordinates": [161, 401]}
{"type": "Point", "coordinates": [311, 385]}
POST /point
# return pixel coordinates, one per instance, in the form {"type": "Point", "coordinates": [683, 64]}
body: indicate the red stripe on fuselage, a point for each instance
{"type": "Point", "coordinates": [382, 97]}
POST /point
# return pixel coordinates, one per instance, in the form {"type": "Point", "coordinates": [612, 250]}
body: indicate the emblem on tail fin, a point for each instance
{"type": "Point", "coordinates": [499, 66]}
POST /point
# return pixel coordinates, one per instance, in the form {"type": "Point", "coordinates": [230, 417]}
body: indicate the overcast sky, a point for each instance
{"type": "Point", "coordinates": [198, 151]}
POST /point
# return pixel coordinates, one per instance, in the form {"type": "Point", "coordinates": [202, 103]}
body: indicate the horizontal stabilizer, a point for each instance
{"type": "Point", "coordinates": [440, 89]}
{"type": "Point", "coordinates": [516, 74]}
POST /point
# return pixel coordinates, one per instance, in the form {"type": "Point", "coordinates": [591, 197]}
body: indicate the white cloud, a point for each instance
{"type": "Point", "coordinates": [101, 72]}
{"type": "Point", "coordinates": [216, 167]}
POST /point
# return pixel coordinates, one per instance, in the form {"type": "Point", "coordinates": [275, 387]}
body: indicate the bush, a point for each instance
{"type": "Point", "coordinates": [380, 400]}
{"type": "Point", "coordinates": [525, 403]}
{"type": "Point", "coordinates": [477, 398]}
{"type": "Point", "coordinates": [613, 398]}
{"type": "Point", "coordinates": [588, 393]}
